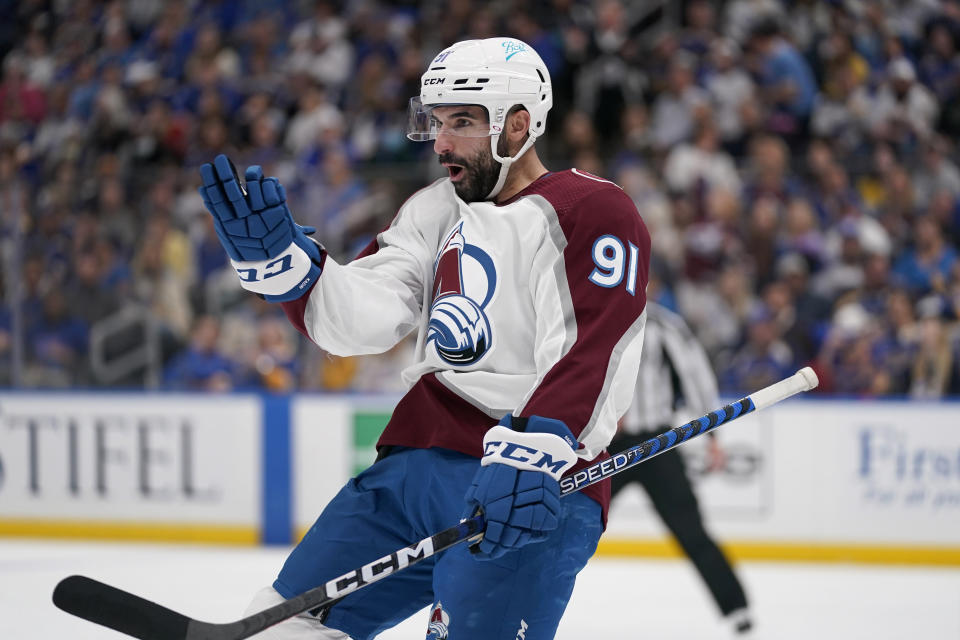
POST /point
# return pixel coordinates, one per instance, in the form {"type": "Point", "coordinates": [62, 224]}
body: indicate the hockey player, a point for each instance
{"type": "Point", "coordinates": [526, 290]}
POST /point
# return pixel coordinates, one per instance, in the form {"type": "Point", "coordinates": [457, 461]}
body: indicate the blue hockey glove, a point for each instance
{"type": "Point", "coordinates": [272, 254]}
{"type": "Point", "coordinates": [517, 486]}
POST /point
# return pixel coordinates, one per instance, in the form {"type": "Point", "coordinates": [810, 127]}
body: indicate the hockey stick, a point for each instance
{"type": "Point", "coordinates": [140, 618]}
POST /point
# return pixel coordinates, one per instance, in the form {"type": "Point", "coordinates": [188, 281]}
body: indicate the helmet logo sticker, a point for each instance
{"type": "Point", "coordinates": [442, 56]}
{"type": "Point", "coordinates": [512, 48]}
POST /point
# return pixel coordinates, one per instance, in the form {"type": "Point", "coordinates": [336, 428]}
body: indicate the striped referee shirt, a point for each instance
{"type": "Point", "coordinates": [674, 371]}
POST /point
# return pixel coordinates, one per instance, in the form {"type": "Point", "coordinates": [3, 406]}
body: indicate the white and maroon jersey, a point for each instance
{"type": "Point", "coordinates": [534, 306]}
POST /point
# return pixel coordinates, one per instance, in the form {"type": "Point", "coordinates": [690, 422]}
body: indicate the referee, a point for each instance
{"type": "Point", "coordinates": [675, 371]}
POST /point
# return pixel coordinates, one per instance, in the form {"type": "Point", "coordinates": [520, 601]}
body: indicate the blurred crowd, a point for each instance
{"type": "Point", "coordinates": [794, 160]}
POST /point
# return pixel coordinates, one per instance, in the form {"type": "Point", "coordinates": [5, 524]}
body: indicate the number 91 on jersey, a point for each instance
{"type": "Point", "coordinates": [614, 263]}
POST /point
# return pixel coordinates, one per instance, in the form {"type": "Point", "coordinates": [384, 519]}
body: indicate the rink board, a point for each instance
{"type": "Point", "coordinates": [131, 466]}
{"type": "Point", "coordinates": [821, 480]}
{"type": "Point", "coordinates": [807, 480]}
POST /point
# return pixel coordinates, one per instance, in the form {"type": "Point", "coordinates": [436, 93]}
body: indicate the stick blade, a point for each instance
{"type": "Point", "coordinates": [119, 610]}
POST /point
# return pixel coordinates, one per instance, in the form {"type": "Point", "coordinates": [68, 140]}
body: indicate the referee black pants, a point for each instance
{"type": "Point", "coordinates": [665, 480]}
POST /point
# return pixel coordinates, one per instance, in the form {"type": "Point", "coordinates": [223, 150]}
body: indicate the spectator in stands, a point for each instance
{"type": "Point", "coordinates": [899, 344]}
{"type": "Point", "coordinates": [88, 299]}
{"type": "Point", "coordinates": [157, 285]}
{"type": "Point", "coordinates": [38, 64]}
{"type": "Point", "coordinates": [787, 84]}
{"type": "Point", "coordinates": [939, 66]}
{"type": "Point", "coordinates": [57, 345]}
{"type": "Point", "coordinates": [315, 115]}
{"type": "Point", "coordinates": [732, 95]}
{"type": "Point", "coordinates": [51, 236]}
{"type": "Point", "coordinates": [201, 366]}
{"type": "Point", "coordinates": [764, 358]}
{"type": "Point", "coordinates": [903, 111]}
{"type": "Point", "coordinates": [158, 135]}
{"type": "Point", "coordinates": [275, 363]}
{"type": "Point", "coordinates": [339, 195]}
{"type": "Point", "coordinates": [209, 51]}
{"type": "Point", "coordinates": [680, 106]}
{"type": "Point", "coordinates": [264, 145]}
{"type": "Point", "coordinates": [58, 134]}
{"type": "Point", "coordinates": [701, 162]}
{"type": "Point", "coordinates": [896, 210]}
{"type": "Point", "coordinates": [112, 117]}
{"type": "Point", "coordinates": [925, 267]}
{"type": "Point", "coordinates": [320, 47]}
{"type": "Point", "coordinates": [741, 15]}
{"type": "Point", "coordinates": [609, 79]}
{"type": "Point", "coordinates": [811, 312]}
{"type": "Point", "coordinates": [719, 311]}
{"type": "Point", "coordinates": [944, 208]}
{"type": "Point", "coordinates": [800, 234]}
{"type": "Point", "coordinates": [209, 256]}
{"type": "Point", "coordinates": [84, 87]}
{"type": "Point", "coordinates": [844, 357]}
{"type": "Point", "coordinates": [778, 298]}
{"type": "Point", "coordinates": [760, 238]}
{"type": "Point", "coordinates": [23, 105]}
{"type": "Point", "coordinates": [839, 111]}
{"type": "Point", "coordinates": [936, 174]}
{"type": "Point", "coordinates": [768, 170]}
{"type": "Point", "coordinates": [933, 361]}
{"type": "Point", "coordinates": [117, 219]}
{"type": "Point", "coordinates": [700, 31]}
{"type": "Point", "coordinates": [838, 58]}
{"type": "Point", "coordinates": [116, 272]}
{"type": "Point", "coordinates": [841, 209]}
{"type": "Point", "coordinates": [843, 270]}
{"type": "Point", "coordinates": [877, 283]}
{"type": "Point", "coordinates": [211, 134]}
{"type": "Point", "coordinates": [713, 238]}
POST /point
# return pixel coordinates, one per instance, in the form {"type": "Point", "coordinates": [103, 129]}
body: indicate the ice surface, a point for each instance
{"type": "Point", "coordinates": [614, 599]}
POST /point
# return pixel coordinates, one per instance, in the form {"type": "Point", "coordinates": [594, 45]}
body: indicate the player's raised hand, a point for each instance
{"type": "Point", "coordinates": [517, 486]}
{"type": "Point", "coordinates": [271, 253]}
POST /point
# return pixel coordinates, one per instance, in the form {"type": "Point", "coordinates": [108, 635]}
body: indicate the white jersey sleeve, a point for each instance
{"type": "Point", "coordinates": [370, 304]}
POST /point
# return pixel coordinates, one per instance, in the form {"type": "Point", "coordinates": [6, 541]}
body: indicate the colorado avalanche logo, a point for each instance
{"type": "Point", "coordinates": [439, 624]}
{"type": "Point", "coordinates": [459, 329]}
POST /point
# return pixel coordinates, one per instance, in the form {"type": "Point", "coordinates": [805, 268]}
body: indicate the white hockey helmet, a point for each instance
{"type": "Point", "coordinates": [497, 74]}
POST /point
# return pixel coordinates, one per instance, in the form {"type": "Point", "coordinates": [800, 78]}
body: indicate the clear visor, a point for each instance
{"type": "Point", "coordinates": [426, 122]}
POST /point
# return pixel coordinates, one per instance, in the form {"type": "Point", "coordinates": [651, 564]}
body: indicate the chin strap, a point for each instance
{"type": "Point", "coordinates": [505, 163]}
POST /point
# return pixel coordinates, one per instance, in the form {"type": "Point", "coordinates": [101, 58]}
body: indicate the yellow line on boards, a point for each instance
{"type": "Point", "coordinates": [134, 531]}
{"type": "Point", "coordinates": [790, 552]}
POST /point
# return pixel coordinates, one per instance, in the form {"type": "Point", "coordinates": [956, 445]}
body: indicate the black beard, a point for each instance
{"type": "Point", "coordinates": [479, 176]}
